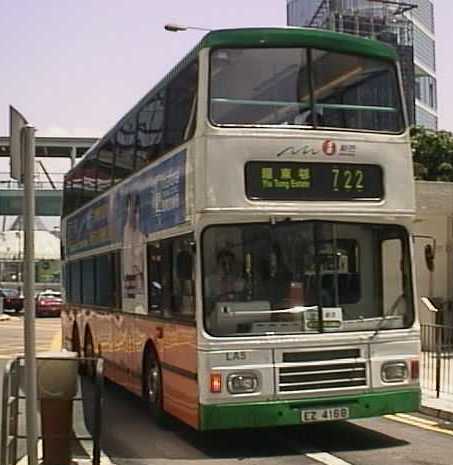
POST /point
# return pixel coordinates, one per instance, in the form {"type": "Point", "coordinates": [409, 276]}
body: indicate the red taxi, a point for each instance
{"type": "Point", "coordinates": [48, 303]}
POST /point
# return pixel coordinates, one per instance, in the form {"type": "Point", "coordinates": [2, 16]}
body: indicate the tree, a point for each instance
{"type": "Point", "coordinates": [433, 154]}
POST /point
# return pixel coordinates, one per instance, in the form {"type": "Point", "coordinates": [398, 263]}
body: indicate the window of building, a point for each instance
{"type": "Point", "coordinates": [424, 48]}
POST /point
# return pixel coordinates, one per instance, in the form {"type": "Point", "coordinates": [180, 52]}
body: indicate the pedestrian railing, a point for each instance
{"type": "Point", "coordinates": [436, 377]}
{"type": "Point", "coordinates": [10, 413]}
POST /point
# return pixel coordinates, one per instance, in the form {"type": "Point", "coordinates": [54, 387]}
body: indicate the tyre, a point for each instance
{"type": "Point", "coordinates": [152, 386]}
{"type": "Point", "coordinates": [89, 365]}
{"type": "Point", "coordinates": [75, 345]}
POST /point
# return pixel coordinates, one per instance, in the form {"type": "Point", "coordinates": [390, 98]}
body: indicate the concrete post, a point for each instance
{"type": "Point", "coordinates": [57, 385]}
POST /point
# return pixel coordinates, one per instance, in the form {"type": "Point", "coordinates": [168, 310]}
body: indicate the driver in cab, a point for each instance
{"type": "Point", "coordinates": [225, 284]}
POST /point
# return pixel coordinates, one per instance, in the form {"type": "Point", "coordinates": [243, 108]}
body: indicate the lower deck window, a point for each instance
{"type": "Point", "coordinates": [171, 278]}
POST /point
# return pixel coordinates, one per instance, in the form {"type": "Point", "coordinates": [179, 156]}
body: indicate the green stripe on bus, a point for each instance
{"type": "Point", "coordinates": [299, 37]}
{"type": "Point", "coordinates": [284, 413]}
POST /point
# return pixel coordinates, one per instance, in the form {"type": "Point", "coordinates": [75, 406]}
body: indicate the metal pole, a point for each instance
{"type": "Point", "coordinates": [29, 292]}
{"type": "Point", "coordinates": [73, 156]}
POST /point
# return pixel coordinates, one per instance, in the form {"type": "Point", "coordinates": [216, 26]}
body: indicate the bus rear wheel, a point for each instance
{"type": "Point", "coordinates": [152, 385]}
{"type": "Point", "coordinates": [89, 365]}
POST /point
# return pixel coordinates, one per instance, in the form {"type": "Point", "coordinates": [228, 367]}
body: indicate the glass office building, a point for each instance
{"type": "Point", "coordinates": [407, 25]}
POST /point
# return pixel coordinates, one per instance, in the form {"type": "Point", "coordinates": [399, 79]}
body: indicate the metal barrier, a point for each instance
{"type": "Point", "coordinates": [12, 399]}
{"type": "Point", "coordinates": [10, 413]}
{"type": "Point", "coordinates": [437, 360]}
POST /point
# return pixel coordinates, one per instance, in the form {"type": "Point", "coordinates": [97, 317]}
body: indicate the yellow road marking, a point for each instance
{"type": "Point", "coordinates": [55, 345]}
{"type": "Point", "coordinates": [414, 418]}
{"type": "Point", "coordinates": [418, 424]}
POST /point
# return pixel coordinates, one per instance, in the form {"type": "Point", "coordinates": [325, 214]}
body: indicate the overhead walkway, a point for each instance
{"type": "Point", "coordinates": [48, 193]}
{"type": "Point", "coordinates": [55, 147]}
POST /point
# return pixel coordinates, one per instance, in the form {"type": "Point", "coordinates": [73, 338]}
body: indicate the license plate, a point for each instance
{"type": "Point", "coordinates": [324, 414]}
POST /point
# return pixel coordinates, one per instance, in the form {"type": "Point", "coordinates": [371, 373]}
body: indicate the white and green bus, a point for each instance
{"type": "Point", "coordinates": [238, 247]}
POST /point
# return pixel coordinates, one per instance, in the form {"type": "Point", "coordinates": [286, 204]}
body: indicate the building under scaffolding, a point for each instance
{"type": "Point", "coordinates": [393, 22]}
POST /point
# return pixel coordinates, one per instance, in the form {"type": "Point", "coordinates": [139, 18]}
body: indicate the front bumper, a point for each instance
{"type": "Point", "coordinates": [284, 413]}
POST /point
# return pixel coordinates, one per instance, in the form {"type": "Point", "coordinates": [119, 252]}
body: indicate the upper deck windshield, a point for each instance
{"type": "Point", "coordinates": [303, 87]}
{"type": "Point", "coordinates": [273, 279]}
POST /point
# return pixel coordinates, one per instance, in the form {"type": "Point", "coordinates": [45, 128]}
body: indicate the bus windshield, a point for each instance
{"type": "Point", "coordinates": [303, 87]}
{"type": "Point", "coordinates": [305, 277]}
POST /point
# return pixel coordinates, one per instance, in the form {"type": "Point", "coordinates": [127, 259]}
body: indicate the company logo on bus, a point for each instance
{"type": "Point", "coordinates": [329, 147]}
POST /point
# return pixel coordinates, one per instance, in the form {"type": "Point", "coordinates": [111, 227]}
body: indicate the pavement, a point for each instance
{"type": "Point", "coordinates": [441, 407]}
{"type": "Point", "coordinates": [437, 403]}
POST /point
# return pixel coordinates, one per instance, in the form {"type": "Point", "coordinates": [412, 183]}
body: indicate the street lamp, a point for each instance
{"type": "Point", "coordinates": [172, 27]}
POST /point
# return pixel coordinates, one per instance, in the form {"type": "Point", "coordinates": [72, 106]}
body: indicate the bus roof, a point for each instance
{"type": "Point", "coordinates": [299, 37]}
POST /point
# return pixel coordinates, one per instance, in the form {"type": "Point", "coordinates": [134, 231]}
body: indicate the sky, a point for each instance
{"type": "Point", "coordinates": [73, 68]}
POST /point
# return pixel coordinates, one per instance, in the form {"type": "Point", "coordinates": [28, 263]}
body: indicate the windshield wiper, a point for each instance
{"type": "Point", "coordinates": [391, 314]}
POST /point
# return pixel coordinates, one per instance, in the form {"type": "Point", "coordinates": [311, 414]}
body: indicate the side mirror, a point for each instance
{"type": "Point", "coordinates": [429, 257]}
{"type": "Point", "coordinates": [429, 305]}
{"type": "Point", "coordinates": [430, 250]}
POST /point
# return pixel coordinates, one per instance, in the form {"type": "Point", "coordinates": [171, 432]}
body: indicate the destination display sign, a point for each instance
{"type": "Point", "coordinates": [313, 181]}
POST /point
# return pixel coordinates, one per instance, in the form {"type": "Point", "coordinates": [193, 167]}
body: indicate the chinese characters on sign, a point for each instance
{"type": "Point", "coordinates": [287, 178]}
{"type": "Point", "coordinates": [313, 181]}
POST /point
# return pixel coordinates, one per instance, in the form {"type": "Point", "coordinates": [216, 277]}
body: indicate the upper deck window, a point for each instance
{"type": "Point", "coordinates": [303, 87]}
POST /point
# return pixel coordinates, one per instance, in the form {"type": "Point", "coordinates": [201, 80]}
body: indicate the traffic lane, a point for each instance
{"type": "Point", "coordinates": [130, 433]}
{"type": "Point", "coordinates": [47, 336]}
{"type": "Point", "coordinates": [360, 442]}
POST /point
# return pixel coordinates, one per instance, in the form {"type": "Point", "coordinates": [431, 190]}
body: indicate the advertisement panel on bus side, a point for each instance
{"type": "Point", "coordinates": [151, 201]}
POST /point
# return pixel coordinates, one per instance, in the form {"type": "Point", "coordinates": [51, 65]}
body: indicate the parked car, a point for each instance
{"type": "Point", "coordinates": [12, 299]}
{"type": "Point", "coordinates": [48, 303]}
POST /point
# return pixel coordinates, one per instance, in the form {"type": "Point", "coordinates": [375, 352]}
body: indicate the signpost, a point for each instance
{"type": "Point", "coordinates": [22, 149]}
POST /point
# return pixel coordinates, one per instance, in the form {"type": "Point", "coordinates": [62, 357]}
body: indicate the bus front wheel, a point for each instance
{"type": "Point", "coordinates": [152, 384]}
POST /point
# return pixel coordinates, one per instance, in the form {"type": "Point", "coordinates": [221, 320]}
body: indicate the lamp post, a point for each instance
{"type": "Point", "coordinates": [172, 27]}
{"type": "Point", "coordinates": [22, 155]}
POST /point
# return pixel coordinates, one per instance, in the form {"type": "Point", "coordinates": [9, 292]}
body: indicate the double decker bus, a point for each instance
{"type": "Point", "coordinates": [238, 247]}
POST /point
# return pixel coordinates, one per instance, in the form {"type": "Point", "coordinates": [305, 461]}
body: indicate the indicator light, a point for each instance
{"type": "Point", "coordinates": [216, 383]}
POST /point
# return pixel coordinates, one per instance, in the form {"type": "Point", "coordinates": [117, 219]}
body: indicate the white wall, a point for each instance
{"type": "Point", "coordinates": [434, 219]}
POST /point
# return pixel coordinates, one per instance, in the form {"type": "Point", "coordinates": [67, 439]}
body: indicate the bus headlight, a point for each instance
{"type": "Point", "coordinates": [393, 372]}
{"type": "Point", "coordinates": [242, 383]}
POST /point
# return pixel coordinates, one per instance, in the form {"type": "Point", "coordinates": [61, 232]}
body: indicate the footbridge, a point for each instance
{"type": "Point", "coordinates": [49, 187]}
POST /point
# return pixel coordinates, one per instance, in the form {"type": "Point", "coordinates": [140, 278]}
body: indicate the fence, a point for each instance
{"type": "Point", "coordinates": [54, 181]}
{"type": "Point", "coordinates": [436, 375]}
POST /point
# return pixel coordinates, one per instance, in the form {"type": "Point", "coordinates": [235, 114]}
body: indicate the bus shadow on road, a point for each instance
{"type": "Point", "coordinates": [130, 432]}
